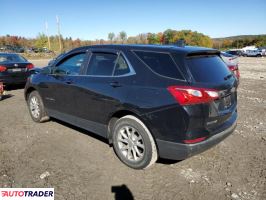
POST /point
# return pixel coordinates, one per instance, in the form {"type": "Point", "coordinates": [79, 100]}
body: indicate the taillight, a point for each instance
{"type": "Point", "coordinates": [187, 95]}
{"type": "Point", "coordinates": [194, 140]}
{"type": "Point", "coordinates": [2, 68]}
{"type": "Point", "coordinates": [30, 66]}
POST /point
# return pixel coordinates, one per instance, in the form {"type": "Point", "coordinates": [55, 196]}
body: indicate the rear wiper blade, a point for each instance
{"type": "Point", "coordinates": [228, 76]}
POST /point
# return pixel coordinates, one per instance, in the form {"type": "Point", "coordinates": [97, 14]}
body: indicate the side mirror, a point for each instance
{"type": "Point", "coordinates": [35, 70]}
{"type": "Point", "coordinates": [51, 62]}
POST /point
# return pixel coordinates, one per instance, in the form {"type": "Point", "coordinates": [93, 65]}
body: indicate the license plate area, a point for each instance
{"type": "Point", "coordinates": [16, 70]}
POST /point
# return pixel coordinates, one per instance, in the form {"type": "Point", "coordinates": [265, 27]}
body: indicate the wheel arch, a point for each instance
{"type": "Point", "coordinates": [28, 91]}
{"type": "Point", "coordinates": [121, 113]}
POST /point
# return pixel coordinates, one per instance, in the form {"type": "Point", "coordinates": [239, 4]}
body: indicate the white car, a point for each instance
{"type": "Point", "coordinates": [254, 53]}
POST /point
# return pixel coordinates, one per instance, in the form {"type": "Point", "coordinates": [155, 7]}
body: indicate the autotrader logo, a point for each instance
{"type": "Point", "coordinates": [27, 193]}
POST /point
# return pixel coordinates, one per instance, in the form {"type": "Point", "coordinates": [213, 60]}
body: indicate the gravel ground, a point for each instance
{"type": "Point", "coordinates": [81, 166]}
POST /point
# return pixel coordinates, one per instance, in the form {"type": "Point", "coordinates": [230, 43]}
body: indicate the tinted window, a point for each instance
{"type": "Point", "coordinates": [11, 58]}
{"type": "Point", "coordinates": [102, 64]}
{"type": "Point", "coordinates": [208, 69]}
{"type": "Point", "coordinates": [71, 65]}
{"type": "Point", "coordinates": [161, 63]}
{"type": "Point", "coordinates": [121, 66]}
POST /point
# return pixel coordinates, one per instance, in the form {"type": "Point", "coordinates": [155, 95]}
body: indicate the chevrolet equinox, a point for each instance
{"type": "Point", "coordinates": [148, 101]}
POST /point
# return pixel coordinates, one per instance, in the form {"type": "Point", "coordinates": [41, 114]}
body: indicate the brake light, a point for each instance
{"type": "Point", "coordinates": [30, 66]}
{"type": "Point", "coordinates": [187, 95]}
{"type": "Point", "coordinates": [2, 68]}
{"type": "Point", "coordinates": [194, 140]}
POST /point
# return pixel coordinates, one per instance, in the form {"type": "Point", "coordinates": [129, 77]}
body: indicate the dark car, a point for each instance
{"type": "Point", "coordinates": [149, 101]}
{"type": "Point", "coordinates": [14, 69]}
{"type": "Point", "coordinates": [235, 52]}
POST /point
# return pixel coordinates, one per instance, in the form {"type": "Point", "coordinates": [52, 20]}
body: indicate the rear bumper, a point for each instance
{"type": "Point", "coordinates": [180, 151]}
{"type": "Point", "coordinates": [14, 79]}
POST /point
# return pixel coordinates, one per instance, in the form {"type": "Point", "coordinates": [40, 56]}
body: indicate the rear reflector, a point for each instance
{"type": "Point", "coordinates": [2, 68]}
{"type": "Point", "coordinates": [186, 95]}
{"type": "Point", "coordinates": [194, 140]}
{"type": "Point", "coordinates": [30, 66]}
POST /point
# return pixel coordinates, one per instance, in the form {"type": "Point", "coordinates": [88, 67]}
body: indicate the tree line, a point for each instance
{"type": "Point", "coordinates": [239, 42]}
{"type": "Point", "coordinates": [169, 36]}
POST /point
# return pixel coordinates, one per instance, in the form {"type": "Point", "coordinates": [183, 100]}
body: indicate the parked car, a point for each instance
{"type": "Point", "coordinates": [235, 52]}
{"type": "Point", "coordinates": [232, 63]}
{"type": "Point", "coordinates": [149, 101]}
{"type": "Point", "coordinates": [14, 69]}
{"type": "Point", "coordinates": [253, 53]}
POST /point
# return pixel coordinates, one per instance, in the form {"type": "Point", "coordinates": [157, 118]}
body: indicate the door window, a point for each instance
{"type": "Point", "coordinates": [71, 65]}
{"type": "Point", "coordinates": [102, 64]}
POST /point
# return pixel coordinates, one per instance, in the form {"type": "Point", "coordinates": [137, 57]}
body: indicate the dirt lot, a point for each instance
{"type": "Point", "coordinates": [80, 166]}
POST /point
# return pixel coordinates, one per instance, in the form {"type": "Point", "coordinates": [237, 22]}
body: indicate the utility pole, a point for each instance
{"type": "Point", "coordinates": [46, 27]}
{"type": "Point", "coordinates": [59, 35]}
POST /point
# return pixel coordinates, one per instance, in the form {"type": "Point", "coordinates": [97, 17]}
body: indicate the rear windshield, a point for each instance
{"type": "Point", "coordinates": [208, 69]}
{"type": "Point", "coordinates": [161, 63]}
{"type": "Point", "coordinates": [11, 58]}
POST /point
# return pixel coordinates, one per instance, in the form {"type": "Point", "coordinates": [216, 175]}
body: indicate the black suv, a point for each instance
{"type": "Point", "coordinates": [149, 101]}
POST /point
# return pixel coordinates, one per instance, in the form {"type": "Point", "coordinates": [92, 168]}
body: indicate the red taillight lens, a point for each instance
{"type": "Point", "coordinates": [30, 66]}
{"type": "Point", "coordinates": [187, 95]}
{"type": "Point", "coordinates": [194, 140]}
{"type": "Point", "coordinates": [2, 68]}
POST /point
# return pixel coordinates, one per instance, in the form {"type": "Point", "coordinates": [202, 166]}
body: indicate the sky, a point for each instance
{"type": "Point", "coordinates": [94, 19]}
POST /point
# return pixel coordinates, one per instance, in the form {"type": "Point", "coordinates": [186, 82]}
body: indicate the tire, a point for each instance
{"type": "Point", "coordinates": [133, 143]}
{"type": "Point", "coordinates": [36, 107]}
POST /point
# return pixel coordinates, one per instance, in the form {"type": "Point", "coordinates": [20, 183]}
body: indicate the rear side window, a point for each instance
{"type": "Point", "coordinates": [208, 69]}
{"type": "Point", "coordinates": [161, 63]}
{"type": "Point", "coordinates": [121, 66]}
{"type": "Point", "coordinates": [102, 64]}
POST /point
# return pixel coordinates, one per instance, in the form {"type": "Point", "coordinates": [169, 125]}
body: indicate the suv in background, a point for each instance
{"type": "Point", "coordinates": [148, 101]}
{"type": "Point", "coordinates": [253, 53]}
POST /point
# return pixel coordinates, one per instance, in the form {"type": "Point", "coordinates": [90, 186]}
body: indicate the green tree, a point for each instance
{"type": "Point", "coordinates": [111, 36]}
{"type": "Point", "coordinates": [123, 36]}
{"type": "Point", "coordinates": [152, 38]}
{"type": "Point", "coordinates": [41, 41]}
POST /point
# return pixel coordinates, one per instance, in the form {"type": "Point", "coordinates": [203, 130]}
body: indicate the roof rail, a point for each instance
{"type": "Point", "coordinates": [180, 43]}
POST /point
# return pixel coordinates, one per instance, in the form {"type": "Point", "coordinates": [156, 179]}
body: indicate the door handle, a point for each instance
{"type": "Point", "coordinates": [115, 84]}
{"type": "Point", "coordinates": [69, 82]}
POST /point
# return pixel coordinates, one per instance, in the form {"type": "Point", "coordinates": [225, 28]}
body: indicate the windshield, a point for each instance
{"type": "Point", "coordinates": [11, 58]}
{"type": "Point", "coordinates": [208, 69]}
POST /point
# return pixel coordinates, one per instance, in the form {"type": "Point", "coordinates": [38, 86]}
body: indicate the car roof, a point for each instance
{"type": "Point", "coordinates": [149, 47]}
{"type": "Point", "coordinates": [6, 53]}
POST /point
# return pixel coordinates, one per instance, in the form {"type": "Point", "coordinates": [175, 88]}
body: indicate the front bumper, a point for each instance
{"type": "Point", "coordinates": [179, 151]}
